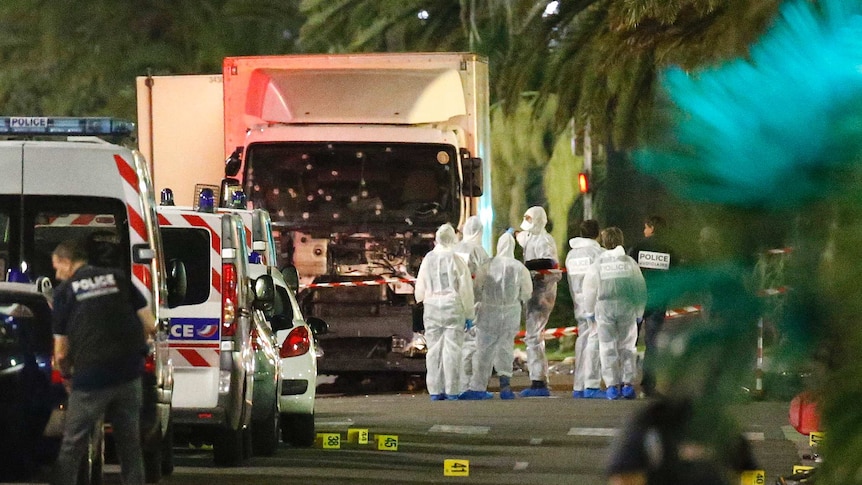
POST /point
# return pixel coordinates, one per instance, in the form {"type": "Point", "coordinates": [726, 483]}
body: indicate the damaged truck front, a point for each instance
{"type": "Point", "coordinates": [359, 159]}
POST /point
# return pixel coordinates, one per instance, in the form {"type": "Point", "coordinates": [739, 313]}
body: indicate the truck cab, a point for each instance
{"type": "Point", "coordinates": [61, 181]}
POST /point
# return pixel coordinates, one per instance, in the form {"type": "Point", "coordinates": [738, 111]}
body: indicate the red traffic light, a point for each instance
{"type": "Point", "coordinates": [583, 182]}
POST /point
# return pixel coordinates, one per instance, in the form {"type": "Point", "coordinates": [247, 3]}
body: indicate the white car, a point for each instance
{"type": "Point", "coordinates": [297, 349]}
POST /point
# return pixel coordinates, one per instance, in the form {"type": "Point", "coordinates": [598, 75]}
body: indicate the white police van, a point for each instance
{"type": "Point", "coordinates": [61, 181]}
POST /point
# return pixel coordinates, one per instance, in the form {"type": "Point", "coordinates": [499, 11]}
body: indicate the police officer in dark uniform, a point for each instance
{"type": "Point", "coordinates": [101, 323]}
{"type": "Point", "coordinates": [655, 257]}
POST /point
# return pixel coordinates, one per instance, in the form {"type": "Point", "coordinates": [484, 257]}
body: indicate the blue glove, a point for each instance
{"type": "Point", "coordinates": [640, 320]}
{"type": "Point", "coordinates": [511, 231]}
{"type": "Point", "coordinates": [468, 324]}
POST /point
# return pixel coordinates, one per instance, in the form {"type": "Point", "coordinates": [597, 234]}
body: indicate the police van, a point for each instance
{"type": "Point", "coordinates": [215, 337]}
{"type": "Point", "coordinates": [62, 180]}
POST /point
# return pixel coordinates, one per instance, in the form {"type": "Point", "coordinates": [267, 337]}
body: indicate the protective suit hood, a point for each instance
{"type": "Point", "coordinates": [539, 220]}
{"type": "Point", "coordinates": [472, 232]}
{"type": "Point", "coordinates": [582, 242]}
{"type": "Point", "coordinates": [506, 246]}
{"type": "Point", "coordinates": [445, 236]}
{"type": "Point", "coordinates": [617, 252]}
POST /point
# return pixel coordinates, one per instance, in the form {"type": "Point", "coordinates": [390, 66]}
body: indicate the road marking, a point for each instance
{"type": "Point", "coordinates": [754, 436]}
{"type": "Point", "coordinates": [535, 441]}
{"type": "Point", "coordinates": [521, 465]}
{"type": "Point", "coordinates": [333, 424]}
{"type": "Point", "coordinates": [445, 428]}
{"type": "Point", "coordinates": [610, 432]}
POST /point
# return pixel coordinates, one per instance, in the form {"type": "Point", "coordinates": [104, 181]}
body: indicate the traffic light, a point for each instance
{"type": "Point", "coordinates": [584, 182]}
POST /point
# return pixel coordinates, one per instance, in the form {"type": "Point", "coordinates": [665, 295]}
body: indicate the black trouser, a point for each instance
{"type": "Point", "coordinates": [652, 321]}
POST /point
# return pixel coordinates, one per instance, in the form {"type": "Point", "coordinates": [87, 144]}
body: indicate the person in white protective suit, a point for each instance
{"type": "Point", "coordinates": [583, 253]}
{"type": "Point", "coordinates": [615, 294]}
{"type": "Point", "coordinates": [505, 285]}
{"type": "Point", "coordinates": [540, 253]}
{"type": "Point", "coordinates": [470, 248]}
{"type": "Point", "coordinates": [446, 289]}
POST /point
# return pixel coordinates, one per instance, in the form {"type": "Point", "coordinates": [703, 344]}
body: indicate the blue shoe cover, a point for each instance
{"type": "Point", "coordinates": [507, 394]}
{"type": "Point", "coordinates": [593, 393]}
{"type": "Point", "coordinates": [613, 393]}
{"type": "Point", "coordinates": [578, 394]}
{"type": "Point", "coordinates": [629, 392]}
{"type": "Point", "coordinates": [475, 396]}
{"type": "Point", "coordinates": [451, 397]}
{"type": "Point", "coordinates": [540, 392]}
{"type": "Point", "coordinates": [438, 397]}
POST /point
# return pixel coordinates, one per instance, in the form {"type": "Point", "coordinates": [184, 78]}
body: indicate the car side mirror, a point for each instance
{"type": "Point", "coordinates": [264, 291]}
{"type": "Point", "coordinates": [471, 171]}
{"type": "Point", "coordinates": [177, 281]}
{"type": "Point", "coordinates": [291, 277]}
{"type": "Point", "coordinates": [318, 326]}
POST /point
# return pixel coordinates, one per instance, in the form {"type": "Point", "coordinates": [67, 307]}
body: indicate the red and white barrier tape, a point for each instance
{"type": "Point", "coordinates": [550, 334]}
{"type": "Point", "coordinates": [374, 282]}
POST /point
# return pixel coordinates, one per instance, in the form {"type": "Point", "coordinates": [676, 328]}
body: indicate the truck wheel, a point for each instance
{"type": "Point", "coordinates": [227, 447]}
{"type": "Point", "coordinates": [265, 433]}
{"type": "Point", "coordinates": [298, 429]}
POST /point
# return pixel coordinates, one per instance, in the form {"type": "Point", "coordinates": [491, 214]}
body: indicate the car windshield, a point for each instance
{"type": "Point", "coordinates": [314, 184]}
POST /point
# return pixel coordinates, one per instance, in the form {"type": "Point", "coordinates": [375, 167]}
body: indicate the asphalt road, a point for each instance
{"type": "Point", "coordinates": [555, 440]}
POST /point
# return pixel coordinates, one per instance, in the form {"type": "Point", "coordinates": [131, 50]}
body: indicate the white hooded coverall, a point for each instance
{"type": "Point", "coordinates": [538, 244]}
{"type": "Point", "coordinates": [470, 248]}
{"type": "Point", "coordinates": [614, 290]}
{"type": "Point", "coordinates": [581, 256]}
{"type": "Point", "coordinates": [505, 285]}
{"type": "Point", "coordinates": [445, 287]}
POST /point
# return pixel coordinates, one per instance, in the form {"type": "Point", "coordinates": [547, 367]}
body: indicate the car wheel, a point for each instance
{"type": "Point", "coordinates": [227, 447]}
{"type": "Point", "coordinates": [298, 429]}
{"type": "Point", "coordinates": [265, 433]}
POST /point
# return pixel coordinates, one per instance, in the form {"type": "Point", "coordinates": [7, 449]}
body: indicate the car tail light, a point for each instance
{"type": "Point", "coordinates": [56, 377]}
{"type": "Point", "coordinates": [228, 299]}
{"type": "Point", "coordinates": [298, 342]}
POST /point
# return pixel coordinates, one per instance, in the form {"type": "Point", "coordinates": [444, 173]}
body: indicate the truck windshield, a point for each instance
{"type": "Point", "coordinates": [325, 184]}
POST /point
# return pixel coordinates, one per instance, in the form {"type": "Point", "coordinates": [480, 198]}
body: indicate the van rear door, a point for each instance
{"type": "Point", "coordinates": [10, 167]}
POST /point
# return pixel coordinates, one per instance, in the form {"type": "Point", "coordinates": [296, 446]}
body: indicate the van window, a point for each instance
{"type": "Point", "coordinates": [192, 247]}
{"type": "Point", "coordinates": [32, 226]}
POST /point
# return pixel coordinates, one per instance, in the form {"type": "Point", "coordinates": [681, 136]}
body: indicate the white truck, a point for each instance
{"type": "Point", "coordinates": [358, 159]}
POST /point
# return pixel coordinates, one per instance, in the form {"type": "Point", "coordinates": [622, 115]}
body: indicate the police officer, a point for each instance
{"type": "Point", "coordinates": [654, 256]}
{"type": "Point", "coordinates": [583, 253]}
{"type": "Point", "coordinates": [100, 324]}
{"type": "Point", "coordinates": [470, 248]}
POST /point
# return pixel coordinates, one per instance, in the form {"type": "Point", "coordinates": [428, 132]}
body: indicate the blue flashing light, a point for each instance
{"type": "Point", "coordinates": [16, 275]}
{"type": "Point", "coordinates": [255, 258]}
{"type": "Point", "coordinates": [167, 197]}
{"type": "Point", "coordinates": [206, 201]}
{"type": "Point", "coordinates": [238, 199]}
{"type": "Point", "coordinates": [48, 125]}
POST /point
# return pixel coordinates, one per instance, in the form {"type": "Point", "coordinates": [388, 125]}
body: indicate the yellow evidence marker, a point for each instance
{"type": "Point", "coordinates": [357, 435]}
{"type": "Point", "coordinates": [752, 477]}
{"type": "Point", "coordinates": [456, 468]}
{"type": "Point", "coordinates": [329, 441]}
{"type": "Point", "coordinates": [387, 442]}
{"type": "Point", "coordinates": [816, 437]}
{"type": "Point", "coordinates": [801, 468]}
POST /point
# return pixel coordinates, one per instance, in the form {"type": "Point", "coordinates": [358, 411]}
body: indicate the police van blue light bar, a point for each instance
{"type": "Point", "coordinates": [49, 125]}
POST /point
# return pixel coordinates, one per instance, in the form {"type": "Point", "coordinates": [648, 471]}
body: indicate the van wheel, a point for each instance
{"type": "Point", "coordinates": [227, 447]}
{"type": "Point", "coordinates": [298, 429]}
{"type": "Point", "coordinates": [168, 450]}
{"type": "Point", "coordinates": [265, 433]}
{"type": "Point", "coordinates": [153, 459]}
